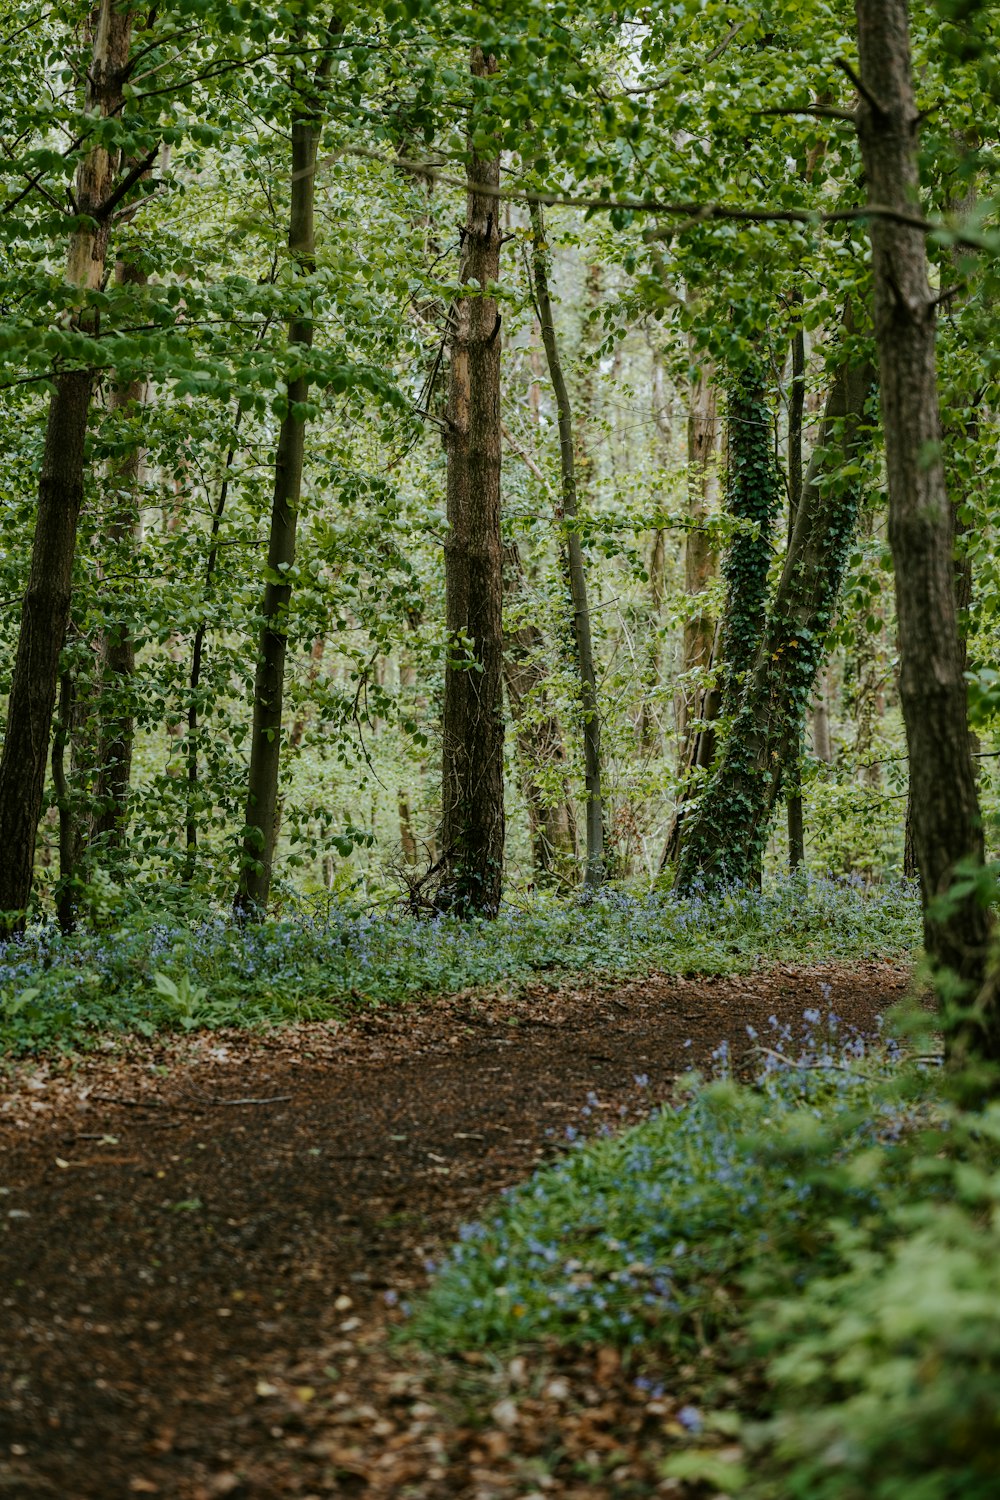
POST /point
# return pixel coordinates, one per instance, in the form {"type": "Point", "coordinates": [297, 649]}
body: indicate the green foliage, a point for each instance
{"type": "Point", "coordinates": [648, 1239]}
{"type": "Point", "coordinates": [176, 968]}
{"type": "Point", "coordinates": [885, 1373]}
{"type": "Point", "coordinates": [753, 499]}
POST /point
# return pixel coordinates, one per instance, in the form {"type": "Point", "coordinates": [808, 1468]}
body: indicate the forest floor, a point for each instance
{"type": "Point", "coordinates": [204, 1245]}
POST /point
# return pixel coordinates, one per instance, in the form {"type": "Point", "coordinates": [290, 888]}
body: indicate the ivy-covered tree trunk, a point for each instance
{"type": "Point", "coordinates": [582, 635]}
{"type": "Point", "coordinates": [947, 826]}
{"type": "Point", "coordinates": [540, 748]}
{"type": "Point", "coordinates": [472, 824]}
{"type": "Point", "coordinates": [752, 500]}
{"type": "Point", "coordinates": [46, 604]}
{"type": "Point", "coordinates": [725, 836]}
{"type": "Point", "coordinates": [262, 819]}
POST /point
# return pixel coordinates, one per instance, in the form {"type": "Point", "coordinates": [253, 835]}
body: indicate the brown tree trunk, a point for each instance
{"type": "Point", "coordinates": [574, 548]}
{"type": "Point", "coordinates": [539, 738]}
{"type": "Point", "coordinates": [701, 561]}
{"type": "Point", "coordinates": [650, 729]}
{"type": "Point", "coordinates": [796, 413]}
{"type": "Point", "coordinates": [472, 824]}
{"type": "Point", "coordinates": [262, 813]}
{"type": "Point", "coordinates": [45, 609]}
{"type": "Point", "coordinates": [947, 826]}
{"type": "Point", "coordinates": [68, 848]}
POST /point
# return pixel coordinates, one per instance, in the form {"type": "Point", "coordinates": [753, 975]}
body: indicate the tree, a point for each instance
{"type": "Point", "coordinates": [539, 737]}
{"type": "Point", "coordinates": [261, 831]}
{"type": "Point", "coordinates": [947, 823]}
{"type": "Point", "coordinates": [472, 823]}
{"type": "Point", "coordinates": [726, 834]}
{"type": "Point", "coordinates": [46, 605]}
{"type": "Point", "coordinates": [574, 550]}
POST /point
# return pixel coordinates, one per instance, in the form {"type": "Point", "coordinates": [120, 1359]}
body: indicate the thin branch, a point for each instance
{"type": "Point", "coordinates": [820, 111]}
{"type": "Point", "coordinates": [131, 177]}
{"type": "Point", "coordinates": [862, 88]}
{"type": "Point", "coordinates": [691, 213]}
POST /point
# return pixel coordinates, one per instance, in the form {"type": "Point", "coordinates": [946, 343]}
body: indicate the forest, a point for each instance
{"type": "Point", "coordinates": [500, 606]}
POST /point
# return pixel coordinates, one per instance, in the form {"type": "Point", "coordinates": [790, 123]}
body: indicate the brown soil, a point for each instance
{"type": "Point", "coordinates": [200, 1243]}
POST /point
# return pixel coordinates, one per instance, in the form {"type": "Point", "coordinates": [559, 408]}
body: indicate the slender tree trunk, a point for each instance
{"type": "Point", "coordinates": [577, 571]}
{"type": "Point", "coordinates": [45, 609]}
{"type": "Point", "coordinates": [947, 826]}
{"type": "Point", "coordinates": [192, 809]}
{"type": "Point", "coordinates": [822, 747]}
{"type": "Point", "coordinates": [472, 824]}
{"type": "Point", "coordinates": [260, 832]}
{"type": "Point", "coordinates": [66, 888]}
{"type": "Point", "coordinates": [701, 560]}
{"type": "Point", "coordinates": [539, 738]}
{"type": "Point", "coordinates": [699, 701]}
{"type": "Point", "coordinates": [315, 662]}
{"type": "Point", "coordinates": [117, 729]}
{"type": "Point", "coordinates": [796, 413]}
{"type": "Point", "coordinates": [727, 832]}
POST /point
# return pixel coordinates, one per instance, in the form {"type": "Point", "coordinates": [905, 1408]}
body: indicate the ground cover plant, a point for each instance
{"type": "Point", "coordinates": [178, 969]}
{"type": "Point", "coordinates": [828, 1231]}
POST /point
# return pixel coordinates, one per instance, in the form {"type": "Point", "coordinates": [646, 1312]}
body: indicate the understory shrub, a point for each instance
{"type": "Point", "coordinates": [833, 1230]}
{"type": "Point", "coordinates": [645, 1239]}
{"type": "Point", "coordinates": [886, 1373]}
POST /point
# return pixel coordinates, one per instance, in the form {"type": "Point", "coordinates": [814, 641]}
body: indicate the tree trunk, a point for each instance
{"type": "Point", "coordinates": [947, 826]}
{"type": "Point", "coordinates": [701, 560]}
{"type": "Point", "coordinates": [539, 739]}
{"type": "Point", "coordinates": [45, 609]}
{"type": "Point", "coordinates": [260, 831]}
{"type": "Point", "coordinates": [752, 498]}
{"type": "Point", "coordinates": [66, 887]}
{"type": "Point", "coordinates": [728, 830]}
{"type": "Point", "coordinates": [472, 825]}
{"type": "Point", "coordinates": [117, 730]}
{"type": "Point", "coordinates": [577, 572]}
{"type": "Point", "coordinates": [796, 413]}
{"type": "Point", "coordinates": [822, 746]}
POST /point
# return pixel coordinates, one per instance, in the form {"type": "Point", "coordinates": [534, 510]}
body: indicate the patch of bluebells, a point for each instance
{"type": "Point", "coordinates": [640, 1239]}
{"type": "Point", "coordinates": [57, 989]}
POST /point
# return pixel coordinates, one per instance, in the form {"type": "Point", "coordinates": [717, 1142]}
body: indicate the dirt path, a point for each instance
{"type": "Point", "coordinates": [201, 1246]}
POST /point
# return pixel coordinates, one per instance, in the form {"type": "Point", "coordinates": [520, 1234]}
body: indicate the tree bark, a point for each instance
{"type": "Point", "coordinates": [46, 605]}
{"type": "Point", "coordinates": [261, 826]}
{"type": "Point", "coordinates": [796, 413]}
{"type": "Point", "coordinates": [725, 837]}
{"type": "Point", "coordinates": [68, 847]}
{"type": "Point", "coordinates": [472, 825]}
{"type": "Point", "coordinates": [539, 738]}
{"type": "Point", "coordinates": [947, 826]}
{"type": "Point", "coordinates": [577, 571]}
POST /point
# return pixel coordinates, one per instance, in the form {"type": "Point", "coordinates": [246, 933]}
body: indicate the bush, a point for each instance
{"type": "Point", "coordinates": [646, 1240]}
{"type": "Point", "coordinates": [886, 1374]}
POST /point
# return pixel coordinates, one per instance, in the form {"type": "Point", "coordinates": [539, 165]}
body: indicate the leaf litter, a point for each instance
{"type": "Point", "coordinates": [209, 1242]}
